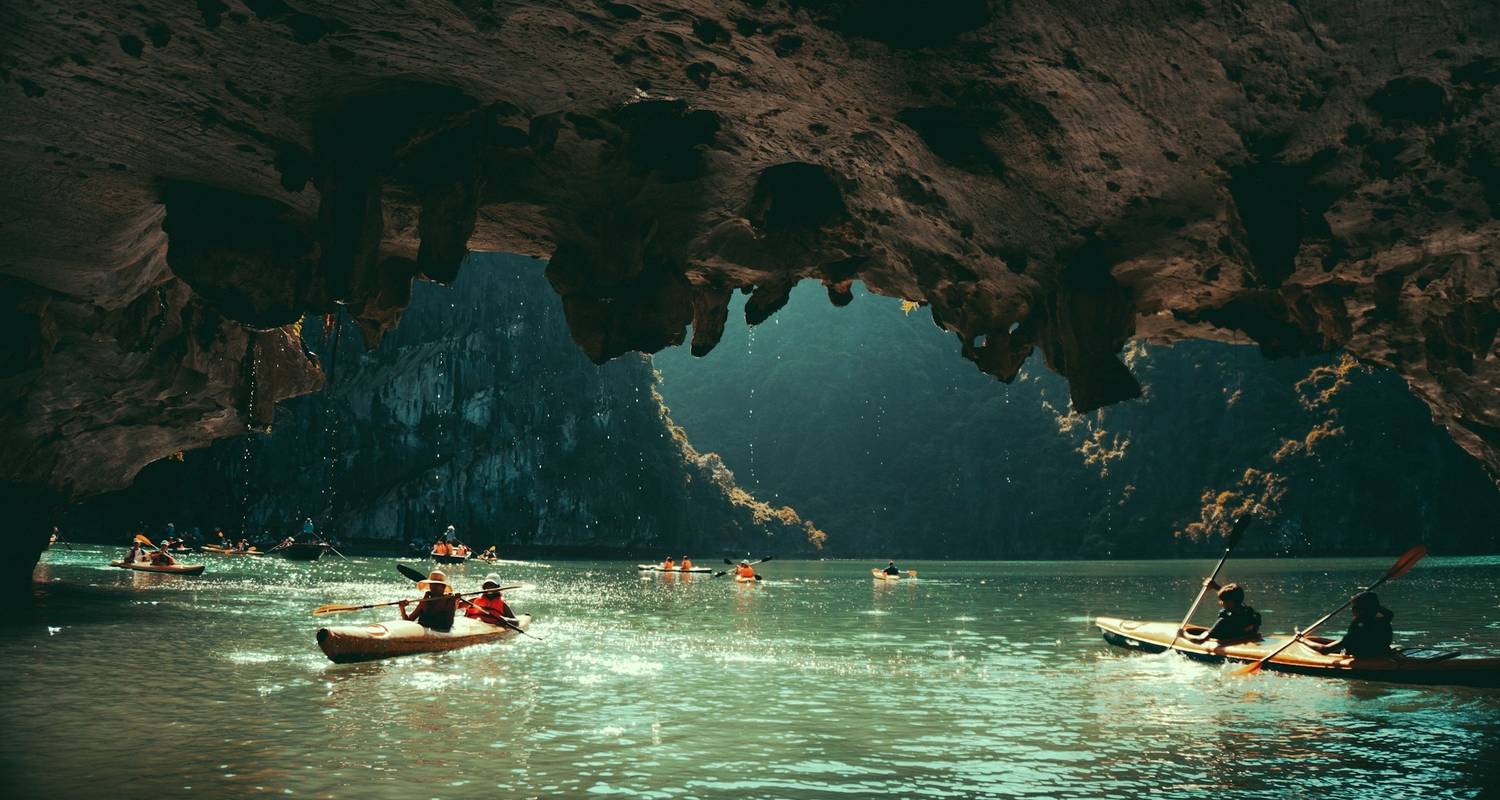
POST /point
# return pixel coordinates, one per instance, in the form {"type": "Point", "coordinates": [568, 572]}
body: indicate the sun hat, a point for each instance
{"type": "Point", "coordinates": [489, 579]}
{"type": "Point", "coordinates": [435, 578]}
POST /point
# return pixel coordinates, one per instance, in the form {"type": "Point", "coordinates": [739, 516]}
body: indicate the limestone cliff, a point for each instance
{"type": "Point", "coordinates": [480, 412]}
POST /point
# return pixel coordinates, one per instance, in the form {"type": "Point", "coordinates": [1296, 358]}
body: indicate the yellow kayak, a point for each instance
{"type": "Point", "coordinates": [880, 575]}
{"type": "Point", "coordinates": [173, 569]}
{"type": "Point", "coordinates": [1450, 668]}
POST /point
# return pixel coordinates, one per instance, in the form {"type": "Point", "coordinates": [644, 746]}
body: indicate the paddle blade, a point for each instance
{"type": "Point", "coordinates": [141, 539]}
{"type": "Point", "coordinates": [410, 573]}
{"type": "Point", "coordinates": [767, 558]}
{"type": "Point", "coordinates": [332, 608]}
{"type": "Point", "coordinates": [727, 561]}
{"type": "Point", "coordinates": [1238, 531]}
{"type": "Point", "coordinates": [1249, 669]}
{"type": "Point", "coordinates": [1407, 560]}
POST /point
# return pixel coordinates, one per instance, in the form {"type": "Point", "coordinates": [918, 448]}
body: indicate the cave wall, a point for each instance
{"type": "Point", "coordinates": [478, 411]}
{"type": "Point", "coordinates": [1050, 176]}
{"type": "Point", "coordinates": [861, 418]}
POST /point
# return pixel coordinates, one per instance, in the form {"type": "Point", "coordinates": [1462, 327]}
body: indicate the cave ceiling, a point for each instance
{"type": "Point", "coordinates": [184, 181]}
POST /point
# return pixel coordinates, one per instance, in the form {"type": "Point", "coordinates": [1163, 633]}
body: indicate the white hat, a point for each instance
{"type": "Point", "coordinates": [435, 578]}
{"type": "Point", "coordinates": [489, 579]}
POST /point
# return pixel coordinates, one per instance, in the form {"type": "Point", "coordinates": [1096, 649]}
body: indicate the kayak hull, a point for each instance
{"type": "Point", "coordinates": [742, 580]}
{"type": "Point", "coordinates": [304, 551]}
{"type": "Point", "coordinates": [1444, 669]}
{"type": "Point", "coordinates": [353, 643]}
{"type": "Point", "coordinates": [880, 575]}
{"type": "Point", "coordinates": [175, 569]}
{"type": "Point", "coordinates": [449, 559]}
{"type": "Point", "coordinates": [673, 571]}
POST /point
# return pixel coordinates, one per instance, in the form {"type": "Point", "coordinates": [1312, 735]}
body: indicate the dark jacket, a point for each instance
{"type": "Point", "coordinates": [1236, 625]}
{"type": "Point", "coordinates": [1368, 638]}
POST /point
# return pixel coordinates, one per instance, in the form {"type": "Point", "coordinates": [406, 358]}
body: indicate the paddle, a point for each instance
{"type": "Point", "coordinates": [732, 563]}
{"type": "Point", "coordinates": [1235, 533]}
{"type": "Point", "coordinates": [335, 608]}
{"type": "Point", "coordinates": [414, 575]}
{"type": "Point", "coordinates": [1402, 566]}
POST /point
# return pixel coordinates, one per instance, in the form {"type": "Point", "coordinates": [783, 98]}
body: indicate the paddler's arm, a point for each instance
{"type": "Point", "coordinates": [416, 612]}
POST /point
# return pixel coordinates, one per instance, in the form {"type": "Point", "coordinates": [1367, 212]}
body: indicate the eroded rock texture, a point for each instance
{"type": "Point", "coordinates": [1057, 175]}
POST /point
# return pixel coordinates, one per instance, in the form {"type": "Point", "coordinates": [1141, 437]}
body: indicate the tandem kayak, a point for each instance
{"type": "Point", "coordinates": [1430, 667]}
{"type": "Point", "coordinates": [351, 643]}
{"type": "Point", "coordinates": [674, 570]}
{"type": "Point", "coordinates": [174, 569]}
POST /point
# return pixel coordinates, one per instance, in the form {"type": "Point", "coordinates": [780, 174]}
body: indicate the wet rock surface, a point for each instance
{"type": "Point", "coordinates": [1042, 175]}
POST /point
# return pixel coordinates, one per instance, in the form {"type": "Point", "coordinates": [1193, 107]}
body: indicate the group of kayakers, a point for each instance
{"type": "Point", "coordinates": [139, 554]}
{"type": "Point", "coordinates": [438, 606]}
{"type": "Point", "coordinates": [667, 564]}
{"type": "Point", "coordinates": [1370, 633]}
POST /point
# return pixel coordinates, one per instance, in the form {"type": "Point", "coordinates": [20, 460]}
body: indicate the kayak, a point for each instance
{"type": "Point", "coordinates": [743, 579]}
{"type": "Point", "coordinates": [351, 643]}
{"type": "Point", "coordinates": [674, 570]}
{"type": "Point", "coordinates": [880, 575]}
{"type": "Point", "coordinates": [225, 551]}
{"type": "Point", "coordinates": [1401, 666]}
{"type": "Point", "coordinates": [441, 559]}
{"type": "Point", "coordinates": [175, 569]}
{"type": "Point", "coordinates": [305, 551]}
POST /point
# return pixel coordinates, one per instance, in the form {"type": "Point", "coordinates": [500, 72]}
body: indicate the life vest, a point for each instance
{"type": "Point", "coordinates": [669, 564]}
{"type": "Point", "coordinates": [488, 606]}
{"type": "Point", "coordinates": [687, 563]}
{"type": "Point", "coordinates": [440, 549]}
{"type": "Point", "coordinates": [745, 571]}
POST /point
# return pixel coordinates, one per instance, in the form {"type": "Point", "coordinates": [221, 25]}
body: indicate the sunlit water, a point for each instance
{"type": "Point", "coordinates": [976, 680]}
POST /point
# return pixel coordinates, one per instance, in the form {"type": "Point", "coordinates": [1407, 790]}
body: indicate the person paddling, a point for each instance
{"type": "Point", "coordinates": [1237, 622]}
{"type": "Point", "coordinates": [441, 548]}
{"type": "Point", "coordinates": [1370, 633]}
{"type": "Point", "coordinates": [668, 564]}
{"type": "Point", "coordinates": [687, 564]}
{"type": "Point", "coordinates": [134, 554]}
{"type": "Point", "coordinates": [436, 608]}
{"type": "Point", "coordinates": [491, 606]}
{"type": "Point", "coordinates": [744, 570]}
{"type": "Point", "coordinates": [890, 568]}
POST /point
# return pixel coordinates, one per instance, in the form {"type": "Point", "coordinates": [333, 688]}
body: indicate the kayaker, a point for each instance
{"type": "Point", "coordinates": [1237, 622]}
{"type": "Point", "coordinates": [491, 606]}
{"type": "Point", "coordinates": [490, 554]}
{"type": "Point", "coordinates": [161, 559]}
{"type": "Point", "coordinates": [436, 608]}
{"type": "Point", "coordinates": [744, 570]}
{"type": "Point", "coordinates": [687, 563]}
{"type": "Point", "coordinates": [668, 564]}
{"type": "Point", "coordinates": [134, 554]}
{"type": "Point", "coordinates": [308, 529]}
{"type": "Point", "coordinates": [1369, 634]}
{"type": "Point", "coordinates": [890, 568]}
{"type": "Point", "coordinates": [441, 548]}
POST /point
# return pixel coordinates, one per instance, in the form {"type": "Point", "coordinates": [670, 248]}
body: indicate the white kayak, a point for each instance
{"type": "Point", "coordinates": [350, 643]}
{"type": "Point", "coordinates": [173, 569]}
{"type": "Point", "coordinates": [674, 570]}
{"type": "Point", "coordinates": [881, 575]}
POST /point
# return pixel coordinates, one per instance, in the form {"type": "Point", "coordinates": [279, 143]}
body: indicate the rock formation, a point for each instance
{"type": "Point", "coordinates": [479, 412]}
{"type": "Point", "coordinates": [1050, 174]}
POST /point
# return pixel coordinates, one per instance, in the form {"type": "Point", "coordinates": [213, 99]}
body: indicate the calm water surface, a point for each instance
{"type": "Point", "coordinates": [976, 680]}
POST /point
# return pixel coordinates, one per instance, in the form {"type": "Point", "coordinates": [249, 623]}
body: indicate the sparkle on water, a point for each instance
{"type": "Point", "coordinates": [975, 680]}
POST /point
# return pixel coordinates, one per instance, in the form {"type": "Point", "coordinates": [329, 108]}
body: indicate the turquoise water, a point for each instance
{"type": "Point", "coordinates": [975, 680]}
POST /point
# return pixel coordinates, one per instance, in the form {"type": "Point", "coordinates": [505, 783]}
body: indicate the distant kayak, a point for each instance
{"type": "Point", "coordinates": [305, 551]}
{"type": "Point", "coordinates": [174, 569]}
{"type": "Point", "coordinates": [658, 568]}
{"type": "Point", "coordinates": [1444, 668]}
{"type": "Point", "coordinates": [880, 575]}
{"type": "Point", "coordinates": [442, 559]}
{"type": "Point", "coordinates": [743, 579]}
{"type": "Point", "coordinates": [351, 643]}
{"type": "Point", "coordinates": [226, 551]}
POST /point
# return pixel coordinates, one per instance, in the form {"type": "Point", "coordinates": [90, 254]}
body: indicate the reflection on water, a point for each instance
{"type": "Point", "coordinates": [975, 680]}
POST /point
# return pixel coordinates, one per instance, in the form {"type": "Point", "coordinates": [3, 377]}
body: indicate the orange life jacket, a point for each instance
{"type": "Point", "coordinates": [494, 606]}
{"type": "Point", "coordinates": [745, 571]}
{"type": "Point", "coordinates": [669, 564]}
{"type": "Point", "coordinates": [440, 549]}
{"type": "Point", "coordinates": [687, 563]}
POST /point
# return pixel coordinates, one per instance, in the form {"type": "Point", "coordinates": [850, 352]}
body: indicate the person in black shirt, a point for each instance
{"type": "Point", "coordinates": [1237, 622]}
{"type": "Point", "coordinates": [1369, 634]}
